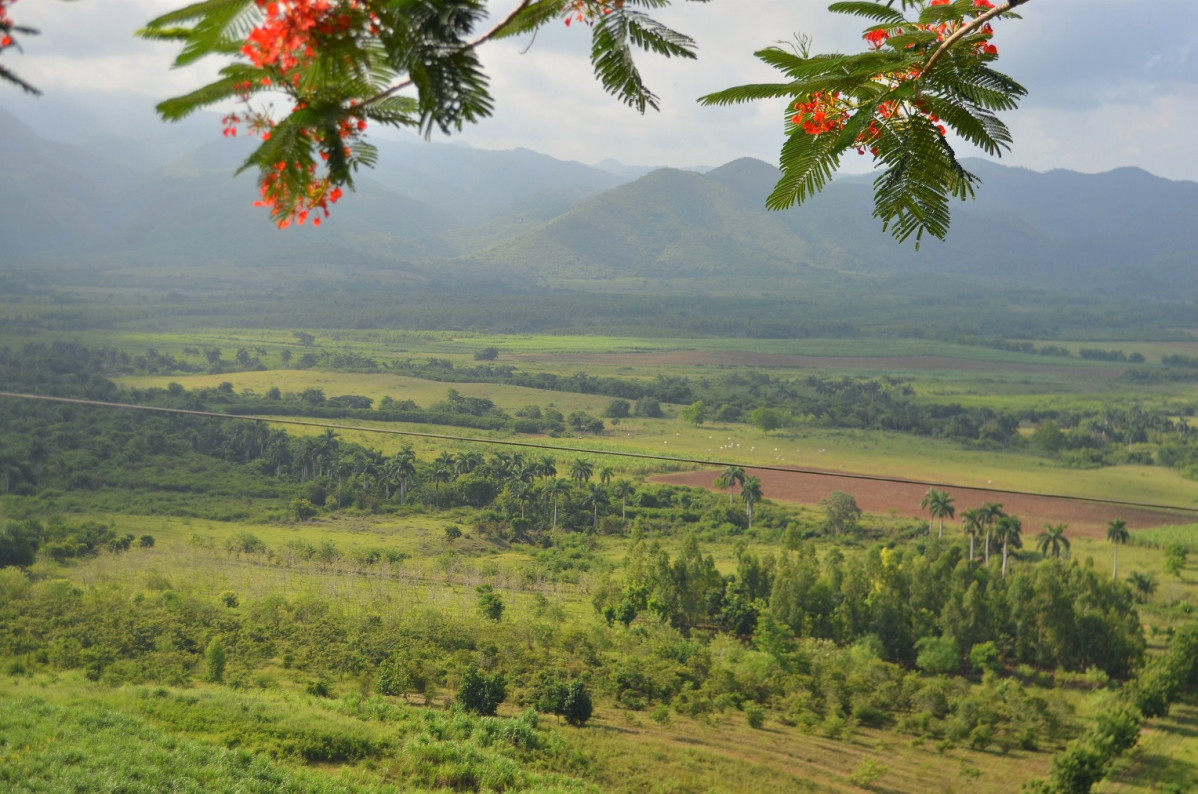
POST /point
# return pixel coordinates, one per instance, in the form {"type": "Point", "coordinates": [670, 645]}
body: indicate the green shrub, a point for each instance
{"type": "Point", "coordinates": [480, 693]}
{"type": "Point", "coordinates": [490, 603]}
{"type": "Point", "coordinates": [867, 773]}
{"type": "Point", "coordinates": [214, 660]}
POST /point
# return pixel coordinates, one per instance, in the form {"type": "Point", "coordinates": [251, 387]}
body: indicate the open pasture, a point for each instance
{"type": "Point", "coordinates": [375, 386]}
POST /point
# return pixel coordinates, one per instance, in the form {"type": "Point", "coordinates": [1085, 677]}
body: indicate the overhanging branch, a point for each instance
{"type": "Point", "coordinates": [968, 28]}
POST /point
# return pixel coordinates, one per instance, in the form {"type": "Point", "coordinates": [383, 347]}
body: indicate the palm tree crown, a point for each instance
{"type": "Point", "coordinates": [939, 505]}
{"type": "Point", "coordinates": [729, 478]}
{"type": "Point", "coordinates": [1052, 540]}
{"type": "Point", "coordinates": [581, 470]}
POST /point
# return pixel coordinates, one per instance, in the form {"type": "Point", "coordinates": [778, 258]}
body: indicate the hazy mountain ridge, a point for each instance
{"type": "Point", "coordinates": [447, 209]}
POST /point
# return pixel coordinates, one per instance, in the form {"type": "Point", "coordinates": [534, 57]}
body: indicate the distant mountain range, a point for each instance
{"type": "Point", "coordinates": [524, 217]}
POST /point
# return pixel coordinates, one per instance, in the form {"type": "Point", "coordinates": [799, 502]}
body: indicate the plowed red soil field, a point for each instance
{"type": "Point", "coordinates": [877, 496]}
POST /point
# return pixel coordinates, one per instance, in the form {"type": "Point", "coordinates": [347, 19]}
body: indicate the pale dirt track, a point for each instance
{"type": "Point", "coordinates": [874, 496]}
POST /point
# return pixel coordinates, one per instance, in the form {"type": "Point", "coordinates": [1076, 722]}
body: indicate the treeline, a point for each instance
{"type": "Point", "coordinates": [934, 609]}
{"type": "Point", "coordinates": [1110, 435]}
{"type": "Point", "coordinates": [20, 541]}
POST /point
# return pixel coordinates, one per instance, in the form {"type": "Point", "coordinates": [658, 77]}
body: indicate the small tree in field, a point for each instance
{"type": "Point", "coordinates": [767, 419]}
{"type": "Point", "coordinates": [490, 603]}
{"type": "Point", "coordinates": [841, 512]}
{"type": "Point", "coordinates": [571, 701]}
{"type": "Point", "coordinates": [480, 693]}
{"type": "Point", "coordinates": [695, 413]}
{"type": "Point", "coordinates": [214, 660]}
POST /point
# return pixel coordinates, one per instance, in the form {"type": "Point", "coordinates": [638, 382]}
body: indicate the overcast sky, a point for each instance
{"type": "Point", "coordinates": [1111, 82]}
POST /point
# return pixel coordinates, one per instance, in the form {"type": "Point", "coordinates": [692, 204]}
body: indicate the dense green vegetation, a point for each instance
{"type": "Point", "coordinates": [542, 583]}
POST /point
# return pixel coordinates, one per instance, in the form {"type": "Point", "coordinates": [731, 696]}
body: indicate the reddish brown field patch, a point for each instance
{"type": "Point", "coordinates": [1084, 518]}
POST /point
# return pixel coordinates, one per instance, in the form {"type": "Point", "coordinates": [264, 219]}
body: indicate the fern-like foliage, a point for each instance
{"type": "Point", "coordinates": [9, 32]}
{"type": "Point", "coordinates": [397, 62]}
{"type": "Point", "coordinates": [895, 103]}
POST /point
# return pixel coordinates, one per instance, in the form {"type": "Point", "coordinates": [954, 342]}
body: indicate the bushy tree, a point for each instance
{"type": "Point", "coordinates": [490, 603]}
{"type": "Point", "coordinates": [480, 693]}
{"type": "Point", "coordinates": [570, 701]}
{"type": "Point", "coordinates": [767, 419]}
{"type": "Point", "coordinates": [841, 512]}
{"type": "Point", "coordinates": [695, 413]}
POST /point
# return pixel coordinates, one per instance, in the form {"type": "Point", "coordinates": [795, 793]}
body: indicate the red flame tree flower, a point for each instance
{"type": "Point", "coordinates": [9, 32]}
{"type": "Point", "coordinates": [926, 70]}
{"type": "Point", "coordinates": [338, 66]}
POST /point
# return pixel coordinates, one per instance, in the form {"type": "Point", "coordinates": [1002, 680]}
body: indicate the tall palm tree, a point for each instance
{"type": "Point", "coordinates": [501, 465]}
{"type": "Point", "coordinates": [521, 492]}
{"type": "Point", "coordinates": [1007, 531]}
{"type": "Point", "coordinates": [622, 490]}
{"type": "Point", "coordinates": [939, 506]}
{"type": "Point", "coordinates": [554, 490]}
{"type": "Point", "coordinates": [581, 470]}
{"type": "Point", "coordinates": [441, 473]}
{"type": "Point", "coordinates": [468, 461]}
{"type": "Point", "coordinates": [1116, 533]}
{"type": "Point", "coordinates": [971, 525]}
{"type": "Point", "coordinates": [309, 457]}
{"type": "Point", "coordinates": [327, 447]}
{"type": "Point", "coordinates": [729, 478]}
{"type": "Point", "coordinates": [527, 471]}
{"type": "Point", "coordinates": [991, 512]}
{"type": "Point", "coordinates": [596, 497]}
{"type": "Point", "coordinates": [1052, 540]}
{"type": "Point", "coordinates": [750, 492]}
{"type": "Point", "coordinates": [447, 461]}
{"type": "Point", "coordinates": [278, 451]}
{"type": "Point", "coordinates": [405, 469]}
{"type": "Point", "coordinates": [546, 467]}
{"type": "Point", "coordinates": [369, 466]}
{"type": "Point", "coordinates": [606, 474]}
{"type": "Point", "coordinates": [343, 469]}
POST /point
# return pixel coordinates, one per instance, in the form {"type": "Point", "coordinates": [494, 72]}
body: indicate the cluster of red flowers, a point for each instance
{"type": "Point", "coordinates": [291, 28]}
{"type": "Point", "coordinates": [587, 10]}
{"type": "Point", "coordinates": [823, 113]}
{"type": "Point", "coordinates": [6, 24]}
{"type": "Point", "coordinates": [877, 38]}
{"type": "Point", "coordinates": [313, 198]}
{"type": "Point", "coordinates": [946, 29]}
{"type": "Point", "coordinates": [828, 113]}
{"type": "Point", "coordinates": [283, 45]}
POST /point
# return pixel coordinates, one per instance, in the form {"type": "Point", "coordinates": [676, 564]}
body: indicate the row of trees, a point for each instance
{"type": "Point", "coordinates": [933, 608]}
{"type": "Point", "coordinates": [1133, 433]}
{"type": "Point", "coordinates": [990, 522]}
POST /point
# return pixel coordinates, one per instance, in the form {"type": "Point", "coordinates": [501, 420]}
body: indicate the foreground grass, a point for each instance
{"type": "Point", "coordinates": [48, 747]}
{"type": "Point", "coordinates": [62, 734]}
{"type": "Point", "coordinates": [141, 739]}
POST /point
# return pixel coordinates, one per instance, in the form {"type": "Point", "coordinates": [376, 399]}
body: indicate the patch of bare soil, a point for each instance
{"type": "Point", "coordinates": [1084, 518]}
